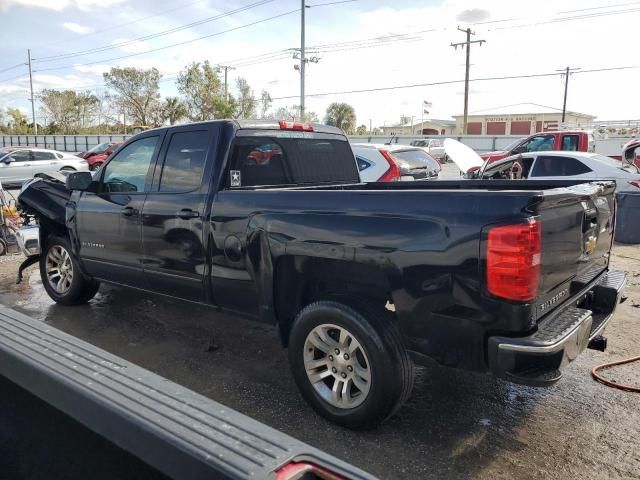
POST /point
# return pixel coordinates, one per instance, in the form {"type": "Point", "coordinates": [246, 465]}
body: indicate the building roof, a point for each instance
{"type": "Point", "coordinates": [524, 109]}
{"type": "Point", "coordinates": [444, 123]}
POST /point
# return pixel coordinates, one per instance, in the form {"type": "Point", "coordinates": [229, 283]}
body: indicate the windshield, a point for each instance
{"type": "Point", "coordinates": [512, 145]}
{"type": "Point", "coordinates": [101, 147]}
{"type": "Point", "coordinates": [416, 159]}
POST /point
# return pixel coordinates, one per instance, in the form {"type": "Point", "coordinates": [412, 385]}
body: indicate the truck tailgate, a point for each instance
{"type": "Point", "coordinates": [577, 232]}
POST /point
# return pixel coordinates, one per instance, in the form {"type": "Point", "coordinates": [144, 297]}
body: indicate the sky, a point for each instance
{"type": "Point", "coordinates": [361, 44]}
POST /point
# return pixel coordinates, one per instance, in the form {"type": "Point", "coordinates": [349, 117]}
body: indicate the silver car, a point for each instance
{"type": "Point", "coordinates": [22, 164]}
{"type": "Point", "coordinates": [562, 164]}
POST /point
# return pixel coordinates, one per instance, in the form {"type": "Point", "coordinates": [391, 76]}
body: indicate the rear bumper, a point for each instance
{"type": "Point", "coordinates": [538, 358]}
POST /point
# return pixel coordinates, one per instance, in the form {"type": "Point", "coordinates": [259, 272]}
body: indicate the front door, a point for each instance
{"type": "Point", "coordinates": [108, 222]}
{"type": "Point", "coordinates": [172, 217]}
{"type": "Point", "coordinates": [16, 167]}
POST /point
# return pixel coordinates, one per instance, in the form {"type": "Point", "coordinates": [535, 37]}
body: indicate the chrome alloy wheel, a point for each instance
{"type": "Point", "coordinates": [337, 366]}
{"type": "Point", "coordinates": [59, 269]}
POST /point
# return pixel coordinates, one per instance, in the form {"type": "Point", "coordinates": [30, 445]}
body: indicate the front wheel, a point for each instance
{"type": "Point", "coordinates": [61, 275]}
{"type": "Point", "coordinates": [350, 363]}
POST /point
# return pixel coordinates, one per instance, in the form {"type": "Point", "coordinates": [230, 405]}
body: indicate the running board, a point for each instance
{"type": "Point", "coordinates": [175, 430]}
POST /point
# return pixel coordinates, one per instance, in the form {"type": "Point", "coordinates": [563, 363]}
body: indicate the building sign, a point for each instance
{"type": "Point", "coordinates": [516, 118]}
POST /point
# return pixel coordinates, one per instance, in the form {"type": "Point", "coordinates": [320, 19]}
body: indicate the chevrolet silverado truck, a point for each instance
{"type": "Point", "coordinates": [361, 280]}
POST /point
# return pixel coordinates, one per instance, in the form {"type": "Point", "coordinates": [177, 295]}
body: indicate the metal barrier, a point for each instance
{"type": "Point", "coordinates": [62, 143]}
{"type": "Point", "coordinates": [81, 143]}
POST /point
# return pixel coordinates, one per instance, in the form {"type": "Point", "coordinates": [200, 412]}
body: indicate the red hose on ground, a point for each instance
{"type": "Point", "coordinates": [609, 383]}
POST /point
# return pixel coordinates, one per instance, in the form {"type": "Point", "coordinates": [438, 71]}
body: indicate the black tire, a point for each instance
{"type": "Point", "coordinates": [81, 288]}
{"type": "Point", "coordinates": [95, 167]}
{"type": "Point", "coordinates": [68, 169]}
{"type": "Point", "coordinates": [3, 247]}
{"type": "Point", "coordinates": [391, 368]}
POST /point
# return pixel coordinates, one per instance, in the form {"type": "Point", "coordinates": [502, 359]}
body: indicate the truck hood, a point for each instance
{"type": "Point", "coordinates": [46, 198]}
{"type": "Point", "coordinates": [464, 157]}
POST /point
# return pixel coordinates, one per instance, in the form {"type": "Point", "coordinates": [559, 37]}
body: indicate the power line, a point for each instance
{"type": "Point", "coordinates": [450, 82]}
{"type": "Point", "coordinates": [12, 68]}
{"type": "Point", "coordinates": [131, 22]}
{"type": "Point", "coordinates": [173, 44]}
{"type": "Point", "coordinates": [153, 35]}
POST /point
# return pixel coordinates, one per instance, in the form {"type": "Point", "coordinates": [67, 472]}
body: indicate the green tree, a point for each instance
{"type": "Point", "coordinates": [137, 92]}
{"type": "Point", "coordinates": [67, 111]}
{"type": "Point", "coordinates": [265, 103]}
{"type": "Point", "coordinates": [174, 110]}
{"type": "Point", "coordinates": [341, 115]}
{"type": "Point", "coordinates": [362, 130]}
{"type": "Point", "coordinates": [203, 92]}
{"type": "Point", "coordinates": [18, 121]}
{"type": "Point", "coordinates": [246, 103]}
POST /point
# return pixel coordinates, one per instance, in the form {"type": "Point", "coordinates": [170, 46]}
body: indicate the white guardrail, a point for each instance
{"type": "Point", "coordinates": [81, 143]}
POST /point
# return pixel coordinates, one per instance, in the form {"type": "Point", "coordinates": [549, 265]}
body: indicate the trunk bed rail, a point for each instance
{"type": "Point", "coordinates": [175, 430]}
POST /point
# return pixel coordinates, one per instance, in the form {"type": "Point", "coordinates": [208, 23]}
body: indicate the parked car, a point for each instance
{"type": "Point", "coordinates": [98, 154]}
{"type": "Point", "coordinates": [433, 147]}
{"type": "Point", "coordinates": [22, 164]}
{"type": "Point", "coordinates": [389, 163]}
{"type": "Point", "coordinates": [551, 166]}
{"type": "Point", "coordinates": [360, 279]}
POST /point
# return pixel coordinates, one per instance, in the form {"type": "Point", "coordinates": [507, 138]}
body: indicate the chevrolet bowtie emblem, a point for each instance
{"type": "Point", "coordinates": [590, 244]}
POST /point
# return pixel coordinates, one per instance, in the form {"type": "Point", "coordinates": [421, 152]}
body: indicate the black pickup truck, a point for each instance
{"type": "Point", "coordinates": [270, 220]}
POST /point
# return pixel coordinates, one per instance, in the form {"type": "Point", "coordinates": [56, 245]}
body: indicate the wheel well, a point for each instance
{"type": "Point", "coordinates": [299, 281]}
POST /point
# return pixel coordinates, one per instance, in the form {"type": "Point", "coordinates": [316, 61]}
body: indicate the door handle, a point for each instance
{"type": "Point", "coordinates": [187, 213]}
{"type": "Point", "coordinates": [128, 211]}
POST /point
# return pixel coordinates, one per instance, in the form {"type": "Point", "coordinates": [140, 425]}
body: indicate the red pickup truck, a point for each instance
{"type": "Point", "coordinates": [575, 141]}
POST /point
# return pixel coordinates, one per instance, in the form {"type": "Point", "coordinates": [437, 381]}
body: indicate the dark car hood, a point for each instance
{"type": "Point", "coordinates": [46, 198]}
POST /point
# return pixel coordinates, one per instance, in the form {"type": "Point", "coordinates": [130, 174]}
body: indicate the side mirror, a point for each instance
{"type": "Point", "coordinates": [79, 181]}
{"type": "Point", "coordinates": [519, 149]}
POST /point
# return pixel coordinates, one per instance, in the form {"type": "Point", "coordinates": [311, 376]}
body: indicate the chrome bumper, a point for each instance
{"type": "Point", "coordinates": [28, 239]}
{"type": "Point", "coordinates": [537, 359]}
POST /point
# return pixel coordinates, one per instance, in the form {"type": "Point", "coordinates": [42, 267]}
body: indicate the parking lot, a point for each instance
{"type": "Point", "coordinates": [456, 424]}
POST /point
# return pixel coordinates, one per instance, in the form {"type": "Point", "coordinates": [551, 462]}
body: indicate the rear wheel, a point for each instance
{"type": "Point", "coordinates": [349, 363]}
{"type": "Point", "coordinates": [67, 169]}
{"type": "Point", "coordinates": [61, 275]}
{"type": "Point", "coordinates": [95, 167]}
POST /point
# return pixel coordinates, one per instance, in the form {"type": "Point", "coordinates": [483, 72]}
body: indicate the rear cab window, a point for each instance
{"type": "Point", "coordinates": [277, 158]}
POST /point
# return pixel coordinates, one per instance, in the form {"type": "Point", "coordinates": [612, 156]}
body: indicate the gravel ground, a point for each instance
{"type": "Point", "coordinates": [456, 425]}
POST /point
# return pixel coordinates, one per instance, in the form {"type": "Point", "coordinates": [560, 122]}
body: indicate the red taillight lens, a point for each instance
{"type": "Point", "coordinates": [305, 471]}
{"type": "Point", "coordinates": [634, 183]}
{"type": "Point", "coordinates": [393, 173]}
{"type": "Point", "coordinates": [299, 126]}
{"type": "Point", "coordinates": [513, 261]}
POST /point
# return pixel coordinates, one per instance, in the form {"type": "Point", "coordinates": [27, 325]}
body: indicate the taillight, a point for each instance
{"type": "Point", "coordinates": [513, 260]}
{"type": "Point", "coordinates": [305, 471]}
{"type": "Point", "coordinates": [299, 126]}
{"type": "Point", "coordinates": [393, 174]}
{"type": "Point", "coordinates": [634, 183]}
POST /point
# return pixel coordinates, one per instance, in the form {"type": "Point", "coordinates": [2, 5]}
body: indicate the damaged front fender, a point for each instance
{"type": "Point", "coordinates": [46, 200]}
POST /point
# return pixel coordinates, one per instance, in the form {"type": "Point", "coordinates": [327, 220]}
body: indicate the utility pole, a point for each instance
{"type": "Point", "coordinates": [466, 73]}
{"type": "Point", "coordinates": [33, 103]}
{"type": "Point", "coordinates": [566, 72]}
{"type": "Point", "coordinates": [226, 68]}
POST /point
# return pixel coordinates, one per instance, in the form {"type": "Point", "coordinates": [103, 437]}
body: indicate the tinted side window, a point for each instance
{"type": "Point", "coordinates": [547, 166]}
{"type": "Point", "coordinates": [570, 143]}
{"type": "Point", "coordinates": [184, 161]}
{"type": "Point", "coordinates": [362, 163]}
{"type": "Point", "coordinates": [43, 156]}
{"type": "Point", "coordinates": [21, 156]}
{"type": "Point", "coordinates": [127, 170]}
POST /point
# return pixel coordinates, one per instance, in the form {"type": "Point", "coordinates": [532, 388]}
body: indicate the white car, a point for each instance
{"type": "Point", "coordinates": [548, 165]}
{"type": "Point", "coordinates": [22, 164]}
{"type": "Point", "coordinates": [432, 146]}
{"type": "Point", "coordinates": [389, 163]}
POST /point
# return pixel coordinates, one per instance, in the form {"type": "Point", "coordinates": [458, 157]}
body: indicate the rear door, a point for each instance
{"type": "Point", "coordinates": [172, 217]}
{"type": "Point", "coordinates": [44, 162]}
{"type": "Point", "coordinates": [108, 223]}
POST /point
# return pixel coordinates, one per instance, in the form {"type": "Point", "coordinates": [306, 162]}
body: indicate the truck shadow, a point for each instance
{"type": "Point", "coordinates": [455, 425]}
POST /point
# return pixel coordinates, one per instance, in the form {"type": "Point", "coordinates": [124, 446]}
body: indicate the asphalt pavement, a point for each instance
{"type": "Point", "coordinates": [456, 425]}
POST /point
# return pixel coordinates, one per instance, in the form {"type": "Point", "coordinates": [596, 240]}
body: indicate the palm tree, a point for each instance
{"type": "Point", "coordinates": [341, 115]}
{"type": "Point", "coordinates": [174, 109]}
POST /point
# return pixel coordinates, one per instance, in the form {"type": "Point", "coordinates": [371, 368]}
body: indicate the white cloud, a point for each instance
{"type": "Point", "coordinates": [77, 28]}
{"type": "Point", "coordinates": [59, 5]}
{"type": "Point", "coordinates": [97, 69]}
